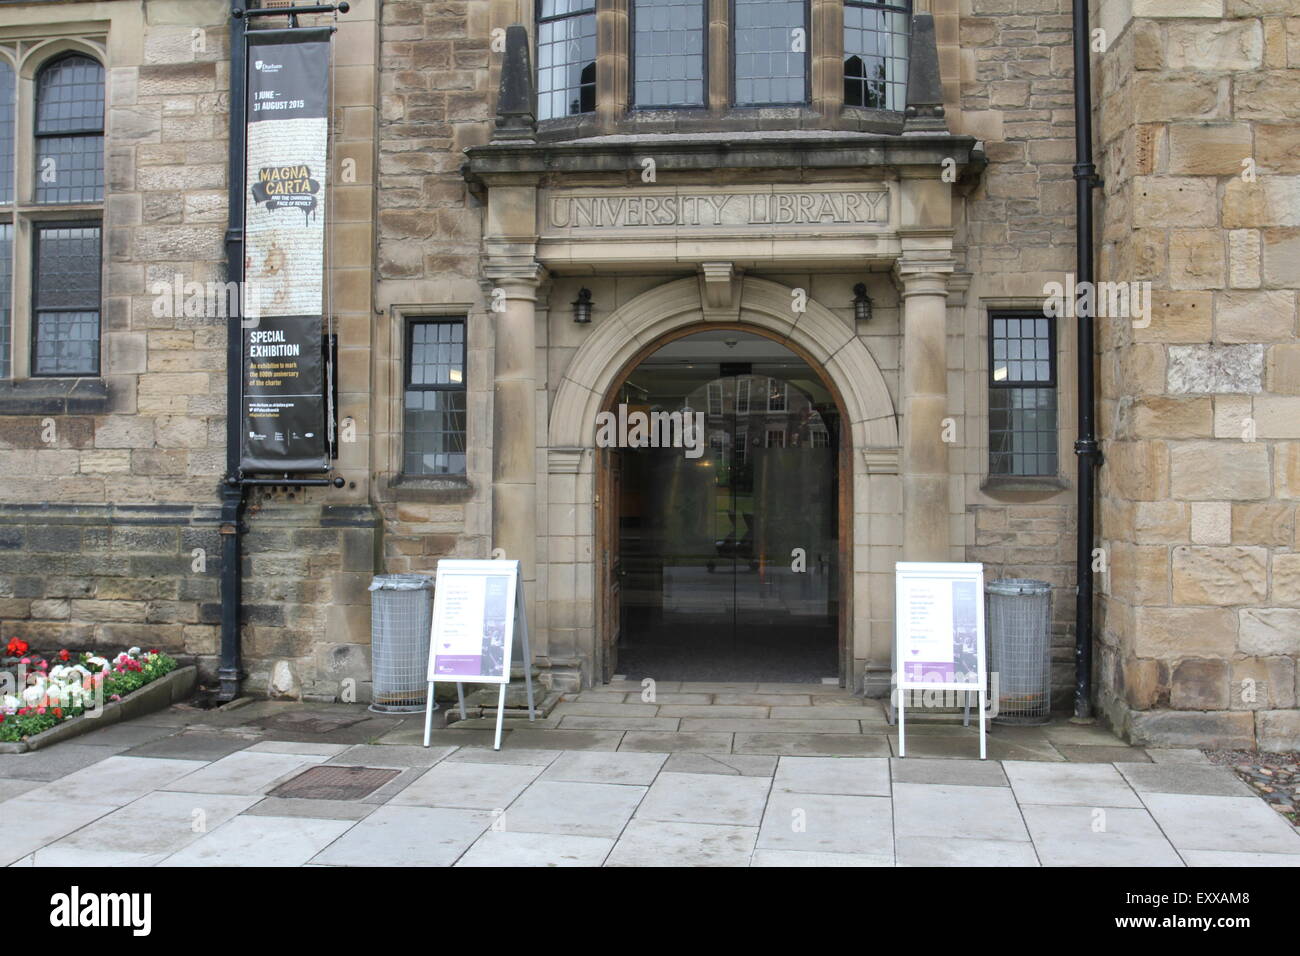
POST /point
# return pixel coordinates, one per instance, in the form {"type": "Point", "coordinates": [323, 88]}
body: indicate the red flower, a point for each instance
{"type": "Point", "coordinates": [17, 647]}
{"type": "Point", "coordinates": [58, 712]}
{"type": "Point", "coordinates": [64, 655]}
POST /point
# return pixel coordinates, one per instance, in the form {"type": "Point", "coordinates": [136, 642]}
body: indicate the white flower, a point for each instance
{"type": "Point", "coordinates": [133, 652]}
{"type": "Point", "coordinates": [32, 696]}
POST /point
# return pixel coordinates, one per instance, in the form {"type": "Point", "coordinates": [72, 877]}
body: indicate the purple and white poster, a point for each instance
{"type": "Point", "coordinates": [473, 621]}
{"type": "Point", "coordinates": [939, 624]}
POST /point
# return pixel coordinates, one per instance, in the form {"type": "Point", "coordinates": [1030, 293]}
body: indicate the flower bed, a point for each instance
{"type": "Point", "coordinates": [45, 692]}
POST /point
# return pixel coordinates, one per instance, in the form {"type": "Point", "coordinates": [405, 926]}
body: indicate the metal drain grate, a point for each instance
{"type": "Point", "coordinates": [335, 783]}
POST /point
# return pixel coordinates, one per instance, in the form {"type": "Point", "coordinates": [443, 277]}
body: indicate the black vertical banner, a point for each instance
{"type": "Point", "coordinates": [284, 380]}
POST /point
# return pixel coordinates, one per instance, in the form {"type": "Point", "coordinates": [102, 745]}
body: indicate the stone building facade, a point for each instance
{"type": "Point", "coordinates": [449, 209]}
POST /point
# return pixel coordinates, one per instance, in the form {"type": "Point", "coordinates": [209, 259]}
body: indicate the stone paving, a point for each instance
{"type": "Point", "coordinates": [595, 785]}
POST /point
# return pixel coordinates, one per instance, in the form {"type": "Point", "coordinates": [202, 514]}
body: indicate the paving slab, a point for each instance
{"type": "Point", "coordinates": [863, 776]}
{"type": "Point", "coordinates": [127, 734]}
{"type": "Point", "coordinates": [15, 788]}
{"type": "Point", "coordinates": [1097, 836]}
{"type": "Point", "coordinates": [1065, 732]}
{"type": "Point", "coordinates": [1232, 858]}
{"type": "Point", "coordinates": [1076, 753]}
{"type": "Point", "coordinates": [1201, 822]}
{"type": "Point", "coordinates": [753, 699]}
{"type": "Point", "coordinates": [828, 823]}
{"type": "Point", "coordinates": [407, 836]}
{"type": "Point", "coordinates": [939, 851]}
{"type": "Point", "coordinates": [968, 773]}
{"type": "Point", "coordinates": [159, 824]}
{"type": "Point", "coordinates": [245, 772]}
{"type": "Point", "coordinates": [536, 849]}
{"type": "Point", "coordinates": [1176, 755]}
{"type": "Point", "coordinates": [321, 809]}
{"type": "Point", "coordinates": [742, 725]}
{"type": "Point", "coordinates": [563, 740]}
{"type": "Point", "coordinates": [52, 763]}
{"type": "Point", "coordinates": [705, 798]}
{"type": "Point", "coordinates": [576, 722]}
{"type": "Point", "coordinates": [455, 737]}
{"type": "Point", "coordinates": [813, 745]}
{"type": "Point", "coordinates": [718, 710]}
{"type": "Point", "coordinates": [675, 699]}
{"type": "Point", "coordinates": [261, 841]}
{"type": "Point", "coordinates": [676, 743]}
{"type": "Point", "coordinates": [391, 756]}
{"type": "Point", "coordinates": [812, 858]}
{"type": "Point", "coordinates": [1070, 784]}
{"type": "Point", "coordinates": [582, 809]}
{"type": "Point", "coordinates": [620, 766]}
{"type": "Point", "coordinates": [537, 758]}
{"type": "Point", "coordinates": [468, 786]}
{"type": "Point", "coordinates": [193, 745]}
{"type": "Point", "coordinates": [740, 765]}
{"type": "Point", "coordinates": [116, 781]}
{"type": "Point", "coordinates": [585, 709]}
{"type": "Point", "coordinates": [667, 844]}
{"type": "Point", "coordinates": [311, 748]}
{"type": "Point", "coordinates": [807, 688]}
{"type": "Point", "coordinates": [1184, 778]}
{"type": "Point", "coordinates": [600, 697]}
{"type": "Point", "coordinates": [846, 710]}
{"type": "Point", "coordinates": [27, 824]}
{"type": "Point", "coordinates": [635, 686]}
{"type": "Point", "coordinates": [968, 748]}
{"type": "Point", "coordinates": [713, 687]}
{"type": "Point", "coordinates": [954, 812]}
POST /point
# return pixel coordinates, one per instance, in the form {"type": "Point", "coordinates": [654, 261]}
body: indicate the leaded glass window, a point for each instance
{"type": "Point", "coordinates": [875, 54]}
{"type": "Point", "coordinates": [434, 421]}
{"type": "Point", "coordinates": [566, 58]}
{"type": "Point", "coordinates": [70, 131]}
{"type": "Point", "coordinates": [1022, 395]}
{"type": "Point", "coordinates": [770, 39]}
{"type": "Point", "coordinates": [668, 53]}
{"type": "Point", "coordinates": [65, 299]}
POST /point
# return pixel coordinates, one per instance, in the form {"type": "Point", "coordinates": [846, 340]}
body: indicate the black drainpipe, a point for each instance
{"type": "Point", "coordinates": [1085, 179]}
{"type": "Point", "coordinates": [232, 488]}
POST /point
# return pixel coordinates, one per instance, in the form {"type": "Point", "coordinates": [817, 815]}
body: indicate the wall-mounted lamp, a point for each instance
{"type": "Point", "coordinates": [861, 303]}
{"type": "Point", "coordinates": [582, 307]}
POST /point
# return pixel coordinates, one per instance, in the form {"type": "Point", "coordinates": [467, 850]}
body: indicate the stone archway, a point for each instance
{"type": "Point", "coordinates": [568, 552]}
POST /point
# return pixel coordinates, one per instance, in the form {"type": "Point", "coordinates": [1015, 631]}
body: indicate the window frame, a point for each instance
{"type": "Point", "coordinates": [34, 311]}
{"type": "Point", "coordinates": [807, 65]}
{"type": "Point", "coordinates": [906, 8]}
{"type": "Point", "coordinates": [632, 104]}
{"type": "Point", "coordinates": [1052, 383]}
{"type": "Point", "coordinates": [594, 11]}
{"type": "Point", "coordinates": [37, 136]}
{"type": "Point", "coordinates": [27, 214]}
{"type": "Point", "coordinates": [408, 338]}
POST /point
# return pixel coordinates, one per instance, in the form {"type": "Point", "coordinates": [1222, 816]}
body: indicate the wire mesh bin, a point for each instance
{"type": "Point", "coordinates": [1020, 649]}
{"type": "Point", "coordinates": [401, 613]}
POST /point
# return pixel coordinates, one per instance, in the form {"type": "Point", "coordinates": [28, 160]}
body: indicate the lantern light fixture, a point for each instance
{"type": "Point", "coordinates": [861, 303]}
{"type": "Point", "coordinates": [582, 307]}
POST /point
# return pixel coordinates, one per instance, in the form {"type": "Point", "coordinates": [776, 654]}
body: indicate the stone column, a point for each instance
{"type": "Point", "coordinates": [514, 419]}
{"type": "Point", "coordinates": [924, 406]}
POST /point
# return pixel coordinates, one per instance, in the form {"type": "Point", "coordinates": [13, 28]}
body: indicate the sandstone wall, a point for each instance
{"type": "Point", "coordinates": [1200, 150]}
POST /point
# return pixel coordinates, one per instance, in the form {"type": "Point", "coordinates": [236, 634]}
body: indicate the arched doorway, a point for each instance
{"type": "Point", "coordinates": [725, 546]}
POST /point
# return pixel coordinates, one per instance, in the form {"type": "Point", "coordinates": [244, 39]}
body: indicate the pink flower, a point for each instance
{"type": "Point", "coordinates": [40, 710]}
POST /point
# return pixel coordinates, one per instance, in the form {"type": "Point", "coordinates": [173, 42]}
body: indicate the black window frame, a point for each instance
{"type": "Point", "coordinates": [1052, 383]}
{"type": "Point", "coordinates": [38, 136]}
{"type": "Point", "coordinates": [631, 61]}
{"type": "Point", "coordinates": [886, 6]}
{"type": "Point", "coordinates": [807, 64]}
{"type": "Point", "coordinates": [34, 332]}
{"type": "Point", "coordinates": [538, 20]}
{"type": "Point", "coordinates": [409, 386]}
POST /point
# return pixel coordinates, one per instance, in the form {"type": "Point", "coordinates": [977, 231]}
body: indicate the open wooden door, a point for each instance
{"type": "Point", "coordinates": [610, 561]}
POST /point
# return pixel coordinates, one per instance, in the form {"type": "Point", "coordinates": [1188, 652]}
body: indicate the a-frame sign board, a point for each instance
{"type": "Point", "coordinates": [476, 607]}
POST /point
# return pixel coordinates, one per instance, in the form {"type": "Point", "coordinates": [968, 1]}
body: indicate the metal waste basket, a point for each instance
{"type": "Point", "coordinates": [401, 613]}
{"type": "Point", "coordinates": [1020, 649]}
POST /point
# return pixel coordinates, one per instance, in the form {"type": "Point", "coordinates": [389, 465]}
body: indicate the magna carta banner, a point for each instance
{"type": "Point", "coordinates": [284, 382]}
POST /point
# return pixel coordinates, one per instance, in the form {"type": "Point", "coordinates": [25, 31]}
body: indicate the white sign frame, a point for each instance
{"type": "Point", "coordinates": [450, 569]}
{"type": "Point", "coordinates": [910, 578]}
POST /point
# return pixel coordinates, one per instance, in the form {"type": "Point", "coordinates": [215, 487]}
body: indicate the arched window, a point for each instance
{"type": "Point", "coordinates": [875, 54]}
{"type": "Point", "coordinates": [566, 58]}
{"type": "Point", "coordinates": [70, 131]}
{"type": "Point", "coordinates": [668, 53]}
